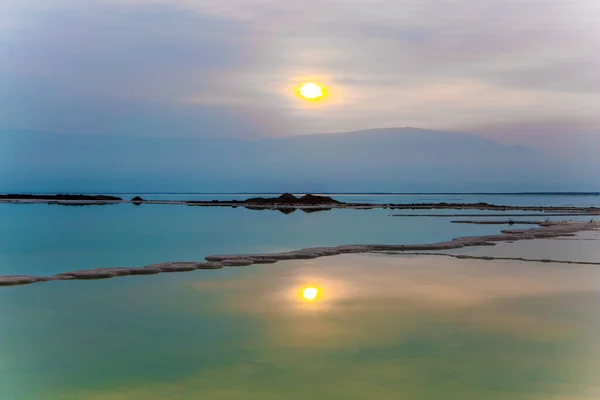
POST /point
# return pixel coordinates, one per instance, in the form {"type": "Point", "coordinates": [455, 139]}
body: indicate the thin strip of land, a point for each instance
{"type": "Point", "coordinates": [546, 230]}
{"type": "Point", "coordinates": [288, 201]}
{"type": "Point", "coordinates": [506, 222]}
{"type": "Point", "coordinates": [488, 258]}
{"type": "Point", "coordinates": [61, 199]}
{"type": "Point", "coordinates": [538, 214]}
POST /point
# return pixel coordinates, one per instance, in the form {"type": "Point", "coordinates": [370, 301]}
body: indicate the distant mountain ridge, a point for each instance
{"type": "Point", "coordinates": [376, 160]}
{"type": "Point", "coordinates": [417, 138]}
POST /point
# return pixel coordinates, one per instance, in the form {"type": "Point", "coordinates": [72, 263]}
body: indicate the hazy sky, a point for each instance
{"type": "Point", "coordinates": [506, 69]}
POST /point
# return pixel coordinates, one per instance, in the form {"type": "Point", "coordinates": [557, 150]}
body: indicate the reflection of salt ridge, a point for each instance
{"type": "Point", "coordinates": [547, 230]}
{"type": "Point", "coordinates": [466, 257]}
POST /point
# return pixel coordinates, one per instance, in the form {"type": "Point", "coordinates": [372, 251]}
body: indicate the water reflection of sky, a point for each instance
{"type": "Point", "coordinates": [585, 246]}
{"type": "Point", "coordinates": [382, 328]}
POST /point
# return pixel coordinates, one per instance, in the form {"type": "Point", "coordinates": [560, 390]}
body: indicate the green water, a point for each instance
{"type": "Point", "coordinates": [382, 327]}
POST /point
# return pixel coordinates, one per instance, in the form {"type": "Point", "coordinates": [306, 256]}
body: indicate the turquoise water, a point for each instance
{"type": "Point", "coordinates": [382, 327]}
{"type": "Point", "coordinates": [42, 239]}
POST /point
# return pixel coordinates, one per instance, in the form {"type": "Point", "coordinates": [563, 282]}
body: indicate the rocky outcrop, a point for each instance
{"type": "Point", "coordinates": [137, 200]}
{"type": "Point", "coordinates": [291, 200]}
{"type": "Point", "coordinates": [287, 202]}
{"type": "Point", "coordinates": [318, 200]}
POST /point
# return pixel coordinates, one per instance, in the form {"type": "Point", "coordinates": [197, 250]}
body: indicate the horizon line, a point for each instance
{"type": "Point", "coordinates": [335, 193]}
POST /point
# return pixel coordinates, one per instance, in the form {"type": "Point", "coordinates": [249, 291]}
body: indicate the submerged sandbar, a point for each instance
{"type": "Point", "coordinates": [546, 230]}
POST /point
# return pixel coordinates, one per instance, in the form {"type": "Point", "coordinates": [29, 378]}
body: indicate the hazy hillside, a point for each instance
{"type": "Point", "coordinates": [395, 159]}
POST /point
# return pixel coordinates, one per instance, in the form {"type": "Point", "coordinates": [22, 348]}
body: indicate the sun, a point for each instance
{"type": "Point", "coordinates": [311, 91]}
{"type": "Point", "coordinates": [310, 293]}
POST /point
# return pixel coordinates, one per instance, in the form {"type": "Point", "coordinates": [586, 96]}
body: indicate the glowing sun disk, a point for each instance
{"type": "Point", "coordinates": [310, 293]}
{"type": "Point", "coordinates": [311, 91]}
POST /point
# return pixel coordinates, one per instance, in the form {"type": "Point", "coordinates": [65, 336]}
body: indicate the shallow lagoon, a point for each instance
{"type": "Point", "coordinates": [41, 239]}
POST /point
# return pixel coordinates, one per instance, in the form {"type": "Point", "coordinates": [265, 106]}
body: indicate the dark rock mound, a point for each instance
{"type": "Point", "coordinates": [317, 200]}
{"type": "Point", "coordinates": [286, 198]}
{"type": "Point", "coordinates": [285, 201]}
{"type": "Point", "coordinates": [290, 199]}
{"type": "Point", "coordinates": [137, 200]}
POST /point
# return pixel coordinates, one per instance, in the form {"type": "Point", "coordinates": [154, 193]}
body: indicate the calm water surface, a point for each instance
{"type": "Point", "coordinates": [45, 239]}
{"type": "Point", "coordinates": [382, 327]}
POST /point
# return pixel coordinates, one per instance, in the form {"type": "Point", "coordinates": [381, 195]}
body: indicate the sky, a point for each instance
{"type": "Point", "coordinates": [230, 67]}
{"type": "Point", "coordinates": [516, 71]}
